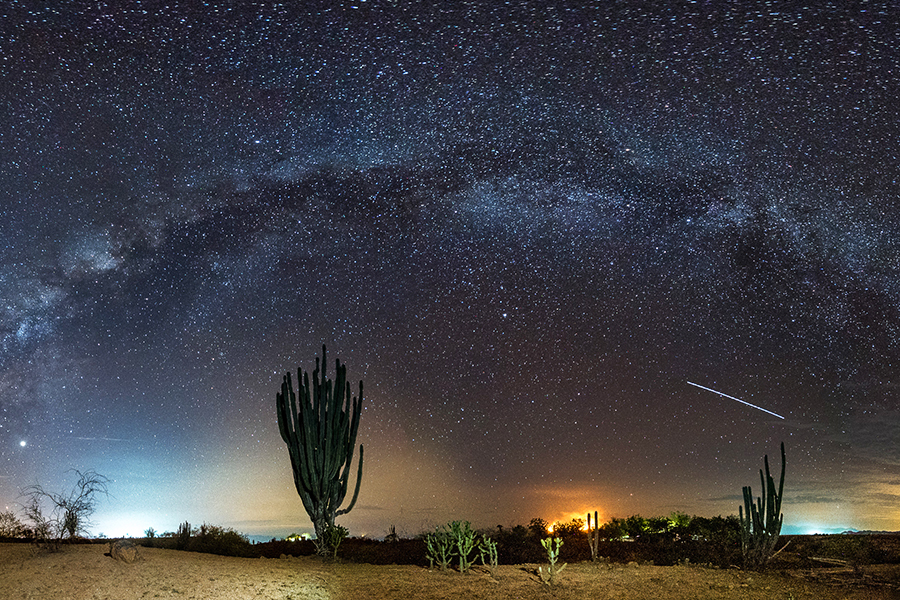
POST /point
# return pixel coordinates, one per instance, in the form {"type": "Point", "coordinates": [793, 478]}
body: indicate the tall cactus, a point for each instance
{"type": "Point", "coordinates": [593, 535]}
{"type": "Point", "coordinates": [761, 522]}
{"type": "Point", "coordinates": [320, 433]}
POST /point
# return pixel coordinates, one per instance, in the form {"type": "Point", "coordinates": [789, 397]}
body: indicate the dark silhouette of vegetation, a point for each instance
{"type": "Point", "coordinates": [761, 522]}
{"type": "Point", "coordinates": [334, 535]}
{"type": "Point", "coordinates": [593, 535]}
{"type": "Point", "coordinates": [392, 535]}
{"type": "Point", "coordinates": [11, 526]}
{"type": "Point", "coordinates": [539, 527]}
{"type": "Point", "coordinates": [213, 539]}
{"type": "Point", "coordinates": [712, 541]}
{"type": "Point", "coordinates": [320, 432]}
{"type": "Point", "coordinates": [663, 540]}
{"type": "Point", "coordinates": [62, 516]}
{"type": "Point", "coordinates": [520, 544]}
{"type": "Point", "coordinates": [183, 536]}
{"type": "Point", "coordinates": [458, 539]}
{"type": "Point", "coordinates": [150, 536]}
{"type": "Point", "coordinates": [209, 539]}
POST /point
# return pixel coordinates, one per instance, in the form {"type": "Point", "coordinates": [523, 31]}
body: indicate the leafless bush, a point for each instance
{"type": "Point", "coordinates": [59, 516]}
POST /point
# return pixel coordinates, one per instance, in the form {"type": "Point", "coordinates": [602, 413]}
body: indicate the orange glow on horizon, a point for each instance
{"type": "Point", "coordinates": [570, 516]}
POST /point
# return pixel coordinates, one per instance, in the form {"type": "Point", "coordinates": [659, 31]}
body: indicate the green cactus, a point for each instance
{"type": "Point", "coordinates": [334, 535]}
{"type": "Point", "coordinates": [487, 550]}
{"type": "Point", "coordinates": [320, 432]}
{"type": "Point", "coordinates": [440, 547]}
{"type": "Point", "coordinates": [761, 521]}
{"type": "Point", "coordinates": [466, 542]}
{"type": "Point", "coordinates": [549, 576]}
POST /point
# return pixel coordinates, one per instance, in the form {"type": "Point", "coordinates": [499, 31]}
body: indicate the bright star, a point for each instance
{"type": "Point", "coordinates": [23, 443]}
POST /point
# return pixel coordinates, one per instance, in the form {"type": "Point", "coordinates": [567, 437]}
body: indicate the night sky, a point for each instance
{"type": "Point", "coordinates": [524, 226]}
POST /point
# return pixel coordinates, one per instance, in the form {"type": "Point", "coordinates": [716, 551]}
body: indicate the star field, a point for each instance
{"type": "Point", "coordinates": [524, 226]}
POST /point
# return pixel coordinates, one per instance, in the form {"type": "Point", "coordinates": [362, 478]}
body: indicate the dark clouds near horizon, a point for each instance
{"type": "Point", "coordinates": [514, 219]}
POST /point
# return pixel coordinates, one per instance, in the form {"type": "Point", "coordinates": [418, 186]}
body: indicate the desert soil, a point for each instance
{"type": "Point", "coordinates": [88, 573]}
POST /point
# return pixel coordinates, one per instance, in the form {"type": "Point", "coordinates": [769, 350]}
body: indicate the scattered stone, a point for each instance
{"type": "Point", "coordinates": [124, 550]}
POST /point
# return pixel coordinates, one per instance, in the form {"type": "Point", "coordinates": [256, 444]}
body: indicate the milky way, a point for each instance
{"type": "Point", "coordinates": [525, 228]}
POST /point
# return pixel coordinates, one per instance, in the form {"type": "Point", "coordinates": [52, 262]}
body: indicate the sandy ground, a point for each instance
{"type": "Point", "coordinates": [88, 573]}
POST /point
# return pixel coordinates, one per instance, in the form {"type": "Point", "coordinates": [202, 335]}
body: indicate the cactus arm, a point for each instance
{"type": "Point", "coordinates": [780, 490]}
{"type": "Point", "coordinates": [355, 491]}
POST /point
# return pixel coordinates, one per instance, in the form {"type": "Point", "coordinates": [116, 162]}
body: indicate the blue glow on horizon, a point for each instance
{"type": "Point", "coordinates": [815, 528]}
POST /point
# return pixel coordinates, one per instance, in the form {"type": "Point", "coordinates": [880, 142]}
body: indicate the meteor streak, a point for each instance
{"type": "Point", "coordinates": [703, 387]}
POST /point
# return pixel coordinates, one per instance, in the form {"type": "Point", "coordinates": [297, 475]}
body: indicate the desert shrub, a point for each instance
{"type": "Point", "coordinates": [520, 545]}
{"type": "Point", "coordinates": [149, 538]}
{"type": "Point", "coordinates": [59, 516]}
{"type": "Point", "coordinates": [576, 545]}
{"type": "Point", "coordinates": [213, 539]}
{"type": "Point", "coordinates": [571, 529]}
{"type": "Point", "coordinates": [678, 521]}
{"type": "Point", "coordinates": [183, 536]}
{"type": "Point", "coordinates": [636, 527]}
{"type": "Point", "coordinates": [658, 526]}
{"type": "Point", "coordinates": [723, 530]}
{"type": "Point", "coordinates": [11, 526]}
{"type": "Point", "coordinates": [539, 527]}
{"type": "Point", "coordinates": [613, 530]}
{"type": "Point", "coordinates": [334, 535]}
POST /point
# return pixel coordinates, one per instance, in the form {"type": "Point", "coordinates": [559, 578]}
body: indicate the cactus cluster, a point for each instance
{"type": "Point", "coordinates": [761, 521]}
{"type": "Point", "coordinates": [439, 548]}
{"type": "Point", "coordinates": [458, 539]}
{"type": "Point", "coordinates": [487, 550]}
{"type": "Point", "coordinates": [320, 431]}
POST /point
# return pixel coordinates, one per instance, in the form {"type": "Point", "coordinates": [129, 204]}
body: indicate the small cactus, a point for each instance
{"type": "Point", "coordinates": [549, 576]}
{"type": "Point", "coordinates": [487, 549]}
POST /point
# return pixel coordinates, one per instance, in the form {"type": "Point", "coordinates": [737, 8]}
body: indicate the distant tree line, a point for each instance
{"type": "Point", "coordinates": [674, 538]}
